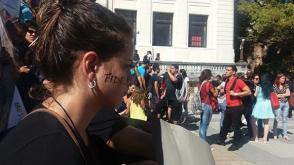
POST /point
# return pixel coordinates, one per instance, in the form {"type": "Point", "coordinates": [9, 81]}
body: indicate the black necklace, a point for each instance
{"type": "Point", "coordinates": [75, 131]}
{"type": "Point", "coordinates": [74, 127]}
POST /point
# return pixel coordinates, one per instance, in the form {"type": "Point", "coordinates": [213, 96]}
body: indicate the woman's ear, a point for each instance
{"type": "Point", "coordinates": [90, 64]}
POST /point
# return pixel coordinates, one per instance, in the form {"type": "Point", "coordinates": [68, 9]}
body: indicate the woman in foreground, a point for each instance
{"type": "Point", "coordinates": [84, 51]}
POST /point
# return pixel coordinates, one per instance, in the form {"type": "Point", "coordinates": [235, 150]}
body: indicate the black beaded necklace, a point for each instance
{"type": "Point", "coordinates": [74, 129]}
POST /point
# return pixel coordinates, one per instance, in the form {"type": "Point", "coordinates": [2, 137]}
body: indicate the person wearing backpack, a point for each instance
{"type": "Point", "coordinates": [207, 91]}
{"type": "Point", "coordinates": [235, 89]}
{"type": "Point", "coordinates": [248, 103]}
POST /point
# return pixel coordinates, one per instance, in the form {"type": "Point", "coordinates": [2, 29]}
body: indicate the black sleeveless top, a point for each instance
{"type": "Point", "coordinates": [41, 139]}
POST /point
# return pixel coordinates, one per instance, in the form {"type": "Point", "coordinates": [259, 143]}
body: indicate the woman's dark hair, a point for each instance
{"type": "Point", "coordinates": [30, 24]}
{"type": "Point", "coordinates": [205, 75]}
{"type": "Point", "coordinates": [254, 75]}
{"type": "Point", "coordinates": [176, 66]}
{"type": "Point", "coordinates": [155, 67]}
{"type": "Point", "coordinates": [266, 85]}
{"type": "Point", "coordinates": [183, 72]}
{"type": "Point", "coordinates": [16, 32]}
{"type": "Point", "coordinates": [68, 28]}
{"type": "Point", "coordinates": [218, 77]}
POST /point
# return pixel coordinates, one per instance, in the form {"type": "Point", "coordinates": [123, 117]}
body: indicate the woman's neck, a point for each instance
{"type": "Point", "coordinates": [73, 108]}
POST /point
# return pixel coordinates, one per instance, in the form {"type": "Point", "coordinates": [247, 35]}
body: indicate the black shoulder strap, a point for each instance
{"type": "Point", "coordinates": [233, 85]}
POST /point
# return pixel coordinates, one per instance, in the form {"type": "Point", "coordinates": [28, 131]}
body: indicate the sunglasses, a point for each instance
{"type": "Point", "coordinates": [32, 31]}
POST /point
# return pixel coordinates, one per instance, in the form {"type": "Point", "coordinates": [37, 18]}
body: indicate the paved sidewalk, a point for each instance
{"type": "Point", "coordinates": [251, 153]}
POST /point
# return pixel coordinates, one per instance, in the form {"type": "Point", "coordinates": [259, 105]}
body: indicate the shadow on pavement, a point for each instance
{"type": "Point", "coordinates": [212, 139]}
{"type": "Point", "coordinates": [191, 123]}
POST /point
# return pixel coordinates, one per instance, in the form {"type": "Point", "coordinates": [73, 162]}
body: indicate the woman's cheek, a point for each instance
{"type": "Point", "coordinates": [113, 85]}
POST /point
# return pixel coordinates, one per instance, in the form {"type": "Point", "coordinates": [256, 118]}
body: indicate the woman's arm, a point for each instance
{"type": "Point", "coordinates": [287, 94]}
{"type": "Point", "coordinates": [256, 90]}
{"type": "Point", "coordinates": [126, 112]}
{"type": "Point", "coordinates": [156, 88]}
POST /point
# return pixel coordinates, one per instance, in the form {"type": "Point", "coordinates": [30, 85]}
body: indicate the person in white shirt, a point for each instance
{"type": "Point", "coordinates": [184, 95]}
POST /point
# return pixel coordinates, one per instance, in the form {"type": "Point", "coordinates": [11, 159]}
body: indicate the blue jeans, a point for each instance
{"type": "Point", "coordinates": [205, 120]}
{"type": "Point", "coordinates": [222, 107]}
{"type": "Point", "coordinates": [281, 114]}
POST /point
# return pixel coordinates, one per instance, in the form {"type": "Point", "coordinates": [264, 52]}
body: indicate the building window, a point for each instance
{"type": "Point", "coordinates": [162, 29]}
{"type": "Point", "coordinates": [197, 30]}
{"type": "Point", "coordinates": [131, 17]}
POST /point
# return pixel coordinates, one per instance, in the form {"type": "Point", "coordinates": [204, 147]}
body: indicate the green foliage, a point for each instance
{"type": "Point", "coordinates": [270, 22]}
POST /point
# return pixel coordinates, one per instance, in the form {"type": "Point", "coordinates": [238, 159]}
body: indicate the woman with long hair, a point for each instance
{"type": "Point", "coordinates": [137, 105]}
{"type": "Point", "coordinates": [262, 109]}
{"type": "Point", "coordinates": [207, 91]}
{"type": "Point", "coordinates": [283, 92]}
{"type": "Point", "coordinates": [85, 51]}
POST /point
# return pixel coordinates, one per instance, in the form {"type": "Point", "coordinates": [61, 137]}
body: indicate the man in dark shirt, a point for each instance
{"type": "Point", "coordinates": [173, 82]}
{"type": "Point", "coordinates": [136, 57]}
{"type": "Point", "coordinates": [147, 75]}
{"type": "Point", "coordinates": [249, 102]}
{"type": "Point", "coordinates": [153, 87]}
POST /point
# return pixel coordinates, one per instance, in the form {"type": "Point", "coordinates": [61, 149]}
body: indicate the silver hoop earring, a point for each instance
{"type": "Point", "coordinates": [92, 84]}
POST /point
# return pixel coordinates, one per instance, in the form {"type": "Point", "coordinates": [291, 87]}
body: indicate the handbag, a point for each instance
{"type": "Point", "coordinates": [213, 100]}
{"type": "Point", "coordinates": [274, 101]}
{"type": "Point", "coordinates": [291, 100]}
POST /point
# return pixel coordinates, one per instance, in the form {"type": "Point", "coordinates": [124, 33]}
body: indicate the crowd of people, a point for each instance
{"type": "Point", "coordinates": [163, 95]}
{"type": "Point", "coordinates": [86, 91]}
{"type": "Point", "coordinates": [252, 96]}
{"type": "Point", "coordinates": [233, 95]}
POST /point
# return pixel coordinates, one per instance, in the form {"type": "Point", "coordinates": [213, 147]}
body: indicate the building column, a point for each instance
{"type": "Point", "coordinates": [144, 23]}
{"type": "Point", "coordinates": [181, 24]}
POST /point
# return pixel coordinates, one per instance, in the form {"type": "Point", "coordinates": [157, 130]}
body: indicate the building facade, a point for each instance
{"type": "Point", "coordinates": [180, 30]}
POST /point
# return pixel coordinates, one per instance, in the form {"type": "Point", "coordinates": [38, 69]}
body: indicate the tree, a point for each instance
{"type": "Point", "coordinates": [269, 26]}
